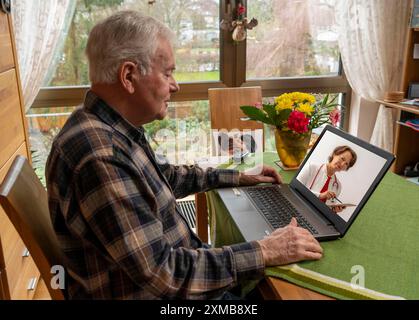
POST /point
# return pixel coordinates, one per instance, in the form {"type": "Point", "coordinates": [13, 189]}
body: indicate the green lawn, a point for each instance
{"type": "Point", "coordinates": [197, 76]}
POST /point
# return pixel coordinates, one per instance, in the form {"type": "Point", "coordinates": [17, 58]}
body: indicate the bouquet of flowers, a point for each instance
{"type": "Point", "coordinates": [296, 112]}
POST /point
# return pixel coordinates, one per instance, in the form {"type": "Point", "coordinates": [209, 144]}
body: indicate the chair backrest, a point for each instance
{"type": "Point", "coordinates": [25, 201]}
{"type": "Point", "coordinates": [225, 108]}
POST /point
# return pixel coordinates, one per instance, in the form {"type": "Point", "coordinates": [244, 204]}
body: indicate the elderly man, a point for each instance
{"type": "Point", "coordinates": [113, 205]}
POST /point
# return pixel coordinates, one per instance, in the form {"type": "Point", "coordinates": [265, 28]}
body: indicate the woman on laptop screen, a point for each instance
{"type": "Point", "coordinates": [321, 178]}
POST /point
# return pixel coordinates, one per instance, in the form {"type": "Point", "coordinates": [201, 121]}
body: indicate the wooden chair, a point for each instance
{"type": "Point", "coordinates": [225, 107]}
{"type": "Point", "coordinates": [226, 114]}
{"type": "Point", "coordinates": [25, 201]}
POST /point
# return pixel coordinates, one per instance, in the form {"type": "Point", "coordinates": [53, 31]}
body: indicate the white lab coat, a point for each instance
{"type": "Point", "coordinates": [314, 176]}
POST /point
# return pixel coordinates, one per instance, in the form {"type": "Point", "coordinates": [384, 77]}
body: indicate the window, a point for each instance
{"type": "Point", "coordinates": [184, 135]}
{"type": "Point", "coordinates": [293, 39]}
{"type": "Point", "coordinates": [278, 56]}
{"type": "Point", "coordinates": [195, 24]}
{"type": "Point", "coordinates": [44, 124]}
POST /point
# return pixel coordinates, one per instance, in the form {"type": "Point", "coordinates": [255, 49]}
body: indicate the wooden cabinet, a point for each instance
{"type": "Point", "coordinates": [6, 56]}
{"type": "Point", "coordinates": [406, 140]}
{"type": "Point", "coordinates": [19, 276]}
{"type": "Point", "coordinates": [406, 146]}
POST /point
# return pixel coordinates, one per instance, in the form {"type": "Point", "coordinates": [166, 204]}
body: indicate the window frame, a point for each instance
{"type": "Point", "coordinates": [232, 74]}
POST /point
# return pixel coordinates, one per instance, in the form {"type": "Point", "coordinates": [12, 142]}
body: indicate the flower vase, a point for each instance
{"type": "Point", "coordinates": [291, 147]}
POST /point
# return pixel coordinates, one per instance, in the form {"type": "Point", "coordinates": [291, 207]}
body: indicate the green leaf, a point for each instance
{"type": "Point", "coordinates": [271, 112]}
{"type": "Point", "coordinates": [284, 114]}
{"type": "Point", "coordinates": [256, 114]}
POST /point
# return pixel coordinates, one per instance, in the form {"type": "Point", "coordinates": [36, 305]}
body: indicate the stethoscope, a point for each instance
{"type": "Point", "coordinates": [335, 183]}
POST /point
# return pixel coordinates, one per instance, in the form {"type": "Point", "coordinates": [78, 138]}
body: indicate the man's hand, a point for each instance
{"type": "Point", "coordinates": [267, 175]}
{"type": "Point", "coordinates": [288, 245]}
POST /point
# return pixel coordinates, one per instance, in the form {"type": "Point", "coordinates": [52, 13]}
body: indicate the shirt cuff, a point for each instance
{"type": "Point", "coordinates": [248, 261]}
{"type": "Point", "coordinates": [228, 178]}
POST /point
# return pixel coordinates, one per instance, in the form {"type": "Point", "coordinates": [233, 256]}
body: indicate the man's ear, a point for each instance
{"type": "Point", "coordinates": [128, 74]}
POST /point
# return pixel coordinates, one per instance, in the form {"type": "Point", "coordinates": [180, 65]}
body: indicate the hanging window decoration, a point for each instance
{"type": "Point", "coordinates": [5, 5]}
{"type": "Point", "coordinates": [238, 24]}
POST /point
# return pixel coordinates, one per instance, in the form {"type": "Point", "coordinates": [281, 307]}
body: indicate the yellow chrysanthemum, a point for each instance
{"type": "Point", "coordinates": [296, 98]}
{"type": "Point", "coordinates": [306, 108]}
{"type": "Point", "coordinates": [282, 104]}
{"type": "Point", "coordinates": [310, 98]}
{"type": "Point", "coordinates": [300, 97]}
{"type": "Point", "coordinates": [282, 97]}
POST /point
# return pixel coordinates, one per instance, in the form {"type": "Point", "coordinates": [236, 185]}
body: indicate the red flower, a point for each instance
{"type": "Point", "coordinates": [334, 117]}
{"type": "Point", "coordinates": [298, 122]}
{"type": "Point", "coordinates": [240, 9]}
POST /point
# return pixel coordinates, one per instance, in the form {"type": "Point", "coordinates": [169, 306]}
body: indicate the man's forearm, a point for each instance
{"type": "Point", "coordinates": [186, 180]}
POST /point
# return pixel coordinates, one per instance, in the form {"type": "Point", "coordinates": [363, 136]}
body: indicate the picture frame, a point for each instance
{"type": "Point", "coordinates": [246, 141]}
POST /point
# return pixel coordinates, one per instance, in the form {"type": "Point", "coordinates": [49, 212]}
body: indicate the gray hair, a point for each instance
{"type": "Point", "coordinates": [124, 36]}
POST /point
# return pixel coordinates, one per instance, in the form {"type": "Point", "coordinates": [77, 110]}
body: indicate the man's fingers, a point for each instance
{"type": "Point", "coordinates": [308, 255]}
{"type": "Point", "coordinates": [307, 233]}
{"type": "Point", "coordinates": [276, 176]}
{"type": "Point", "coordinates": [267, 179]}
{"type": "Point", "coordinates": [308, 242]}
{"type": "Point", "coordinates": [269, 171]}
{"type": "Point", "coordinates": [313, 246]}
{"type": "Point", "coordinates": [268, 175]}
{"type": "Point", "coordinates": [293, 222]}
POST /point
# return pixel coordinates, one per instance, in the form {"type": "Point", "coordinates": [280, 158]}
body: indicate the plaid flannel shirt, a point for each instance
{"type": "Point", "coordinates": [113, 207]}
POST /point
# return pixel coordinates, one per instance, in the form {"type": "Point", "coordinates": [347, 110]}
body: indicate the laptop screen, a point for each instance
{"type": "Point", "coordinates": [339, 175]}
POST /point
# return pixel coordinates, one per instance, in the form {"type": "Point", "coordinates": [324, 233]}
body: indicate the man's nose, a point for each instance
{"type": "Point", "coordinates": [174, 87]}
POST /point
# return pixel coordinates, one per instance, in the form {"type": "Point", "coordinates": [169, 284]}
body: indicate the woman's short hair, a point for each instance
{"type": "Point", "coordinates": [124, 36]}
{"type": "Point", "coordinates": [341, 149]}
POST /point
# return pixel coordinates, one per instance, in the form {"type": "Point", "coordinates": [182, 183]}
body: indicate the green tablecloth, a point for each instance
{"type": "Point", "coordinates": [383, 242]}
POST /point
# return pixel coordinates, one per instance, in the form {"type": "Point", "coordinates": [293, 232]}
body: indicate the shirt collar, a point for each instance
{"type": "Point", "coordinates": [110, 116]}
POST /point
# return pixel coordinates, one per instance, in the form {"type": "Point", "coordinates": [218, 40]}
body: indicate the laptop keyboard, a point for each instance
{"type": "Point", "coordinates": [276, 208]}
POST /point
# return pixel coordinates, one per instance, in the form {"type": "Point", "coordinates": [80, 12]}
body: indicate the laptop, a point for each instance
{"type": "Point", "coordinates": [258, 210]}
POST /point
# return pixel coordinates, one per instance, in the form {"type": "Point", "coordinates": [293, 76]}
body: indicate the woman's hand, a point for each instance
{"type": "Point", "coordinates": [327, 195]}
{"type": "Point", "coordinates": [338, 209]}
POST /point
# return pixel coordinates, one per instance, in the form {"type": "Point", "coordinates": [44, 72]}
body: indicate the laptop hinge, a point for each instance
{"type": "Point", "coordinates": [307, 203]}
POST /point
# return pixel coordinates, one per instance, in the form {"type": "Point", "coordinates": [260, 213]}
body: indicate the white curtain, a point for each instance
{"type": "Point", "coordinates": [39, 26]}
{"type": "Point", "coordinates": [372, 37]}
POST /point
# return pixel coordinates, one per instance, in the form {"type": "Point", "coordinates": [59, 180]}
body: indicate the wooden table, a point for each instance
{"type": "Point", "coordinates": [278, 289]}
{"type": "Point", "coordinates": [270, 288]}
